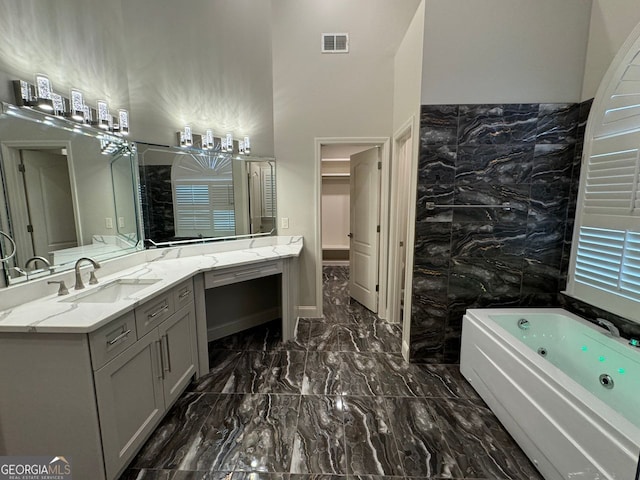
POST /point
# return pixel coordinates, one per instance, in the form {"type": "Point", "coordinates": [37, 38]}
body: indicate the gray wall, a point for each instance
{"type": "Point", "coordinates": [201, 62]}
{"type": "Point", "coordinates": [318, 95]}
{"type": "Point", "coordinates": [77, 43]}
{"type": "Point", "coordinates": [504, 51]}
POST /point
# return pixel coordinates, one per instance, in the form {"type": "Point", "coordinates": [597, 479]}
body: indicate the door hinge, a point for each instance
{"type": "Point", "coordinates": [21, 168]}
{"type": "Point", "coordinates": [402, 244]}
{"type": "Point", "coordinates": [378, 229]}
{"type": "Point", "coordinates": [377, 288]}
{"type": "Point", "coordinates": [379, 165]}
{"type": "Point", "coordinates": [30, 228]}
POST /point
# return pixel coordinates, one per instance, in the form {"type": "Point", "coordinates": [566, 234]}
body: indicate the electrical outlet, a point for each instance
{"type": "Point", "coordinates": [120, 222]}
{"type": "Point", "coordinates": [285, 222]}
{"type": "Point", "coordinates": [108, 222]}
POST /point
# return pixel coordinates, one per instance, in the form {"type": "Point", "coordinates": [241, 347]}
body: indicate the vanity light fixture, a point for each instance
{"type": "Point", "coordinates": [25, 93]}
{"type": "Point", "coordinates": [123, 120]}
{"type": "Point", "coordinates": [77, 106]}
{"type": "Point", "coordinates": [109, 145]}
{"type": "Point", "coordinates": [44, 91]}
{"type": "Point", "coordinates": [42, 96]}
{"type": "Point", "coordinates": [241, 147]}
{"type": "Point", "coordinates": [104, 119]}
{"type": "Point", "coordinates": [185, 137]}
{"type": "Point", "coordinates": [58, 104]}
{"type": "Point", "coordinates": [207, 140]}
{"type": "Point", "coordinates": [247, 145]}
{"type": "Point", "coordinates": [88, 113]}
{"type": "Point", "coordinates": [227, 143]}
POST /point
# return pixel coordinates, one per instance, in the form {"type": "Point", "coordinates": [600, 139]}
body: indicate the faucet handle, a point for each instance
{"type": "Point", "coordinates": [62, 290]}
{"type": "Point", "coordinates": [92, 278]}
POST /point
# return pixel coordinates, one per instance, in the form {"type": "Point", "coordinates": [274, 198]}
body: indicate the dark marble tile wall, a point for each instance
{"type": "Point", "coordinates": [157, 202]}
{"type": "Point", "coordinates": [523, 154]}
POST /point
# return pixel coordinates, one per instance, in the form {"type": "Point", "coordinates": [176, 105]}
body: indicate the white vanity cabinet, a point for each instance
{"type": "Point", "coordinates": [135, 389]}
{"type": "Point", "coordinates": [97, 397]}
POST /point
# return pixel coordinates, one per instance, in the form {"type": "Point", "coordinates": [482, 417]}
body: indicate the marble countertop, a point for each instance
{"type": "Point", "coordinates": [170, 266]}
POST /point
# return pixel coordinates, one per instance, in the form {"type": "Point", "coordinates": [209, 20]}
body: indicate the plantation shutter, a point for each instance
{"type": "Point", "coordinates": [205, 209]}
{"type": "Point", "coordinates": [268, 194]}
{"type": "Point", "coordinates": [605, 263]}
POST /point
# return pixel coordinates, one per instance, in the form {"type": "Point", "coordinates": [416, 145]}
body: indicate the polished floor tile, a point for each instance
{"type": "Point", "coordinates": [319, 437]}
{"type": "Point", "coordinates": [338, 402]}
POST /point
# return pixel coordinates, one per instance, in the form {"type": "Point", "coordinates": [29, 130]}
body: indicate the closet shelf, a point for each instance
{"type": "Point", "coordinates": [336, 247]}
{"type": "Point", "coordinates": [335, 175]}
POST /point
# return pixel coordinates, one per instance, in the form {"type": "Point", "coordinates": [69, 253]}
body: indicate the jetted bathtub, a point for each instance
{"type": "Point", "coordinates": [567, 391]}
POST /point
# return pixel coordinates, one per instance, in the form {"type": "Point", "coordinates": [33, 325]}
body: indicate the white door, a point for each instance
{"type": "Point", "coordinates": [364, 214]}
{"type": "Point", "coordinates": [48, 194]}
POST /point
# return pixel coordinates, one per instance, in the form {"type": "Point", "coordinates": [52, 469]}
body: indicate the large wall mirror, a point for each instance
{"type": "Point", "coordinates": [68, 191]}
{"type": "Point", "coordinates": [190, 194]}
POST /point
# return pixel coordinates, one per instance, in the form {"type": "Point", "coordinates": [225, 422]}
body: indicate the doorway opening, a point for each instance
{"type": "Point", "coordinates": [353, 217]}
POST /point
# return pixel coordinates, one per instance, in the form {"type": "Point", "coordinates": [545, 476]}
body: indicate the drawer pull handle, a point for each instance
{"type": "Point", "coordinates": [184, 294]}
{"type": "Point", "coordinates": [160, 362]}
{"type": "Point", "coordinates": [167, 367]}
{"type": "Point", "coordinates": [164, 308]}
{"type": "Point", "coordinates": [119, 337]}
{"type": "Point", "coordinates": [247, 272]}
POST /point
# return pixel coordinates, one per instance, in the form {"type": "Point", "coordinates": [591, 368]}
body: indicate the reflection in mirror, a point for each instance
{"type": "Point", "coordinates": [192, 194]}
{"type": "Point", "coordinates": [58, 204]}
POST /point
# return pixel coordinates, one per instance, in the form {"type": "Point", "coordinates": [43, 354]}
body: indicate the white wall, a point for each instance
{"type": "Point", "coordinates": [408, 72]}
{"type": "Point", "coordinates": [330, 95]}
{"type": "Point", "coordinates": [335, 212]}
{"type": "Point", "coordinates": [77, 43]}
{"type": "Point", "coordinates": [201, 62]}
{"type": "Point", "coordinates": [611, 24]}
{"type": "Point", "coordinates": [504, 51]}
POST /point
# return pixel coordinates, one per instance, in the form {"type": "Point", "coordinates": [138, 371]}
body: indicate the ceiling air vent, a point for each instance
{"type": "Point", "coordinates": [335, 43]}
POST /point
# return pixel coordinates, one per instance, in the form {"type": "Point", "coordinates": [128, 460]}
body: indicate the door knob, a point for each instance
{"type": "Point", "coordinates": [350, 235]}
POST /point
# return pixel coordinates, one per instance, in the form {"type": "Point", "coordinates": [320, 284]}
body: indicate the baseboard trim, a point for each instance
{"type": "Point", "coordinates": [308, 311]}
{"type": "Point", "coordinates": [218, 331]}
{"type": "Point", "coordinates": [405, 351]}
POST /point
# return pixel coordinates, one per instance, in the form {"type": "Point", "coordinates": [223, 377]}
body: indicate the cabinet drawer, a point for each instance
{"type": "Point", "coordinates": [112, 339]}
{"type": "Point", "coordinates": [183, 294]}
{"type": "Point", "coordinates": [218, 278]}
{"type": "Point", "coordinates": [152, 313]}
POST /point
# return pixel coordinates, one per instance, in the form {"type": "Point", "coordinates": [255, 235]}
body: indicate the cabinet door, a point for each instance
{"type": "Point", "coordinates": [130, 400]}
{"type": "Point", "coordinates": [178, 337]}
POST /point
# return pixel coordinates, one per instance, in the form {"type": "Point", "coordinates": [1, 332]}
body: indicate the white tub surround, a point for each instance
{"type": "Point", "coordinates": [543, 382]}
{"type": "Point", "coordinates": [36, 307]}
{"type": "Point", "coordinates": [93, 380]}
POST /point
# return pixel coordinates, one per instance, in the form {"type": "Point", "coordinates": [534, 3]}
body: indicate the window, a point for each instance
{"type": "Point", "coordinates": [203, 197]}
{"type": "Point", "coordinates": [605, 262]}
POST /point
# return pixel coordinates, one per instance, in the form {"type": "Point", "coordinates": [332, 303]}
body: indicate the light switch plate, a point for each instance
{"type": "Point", "coordinates": [108, 222]}
{"type": "Point", "coordinates": [285, 222]}
{"type": "Point", "coordinates": [120, 222]}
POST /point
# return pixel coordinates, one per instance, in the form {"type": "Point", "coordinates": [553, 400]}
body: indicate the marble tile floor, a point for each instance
{"type": "Point", "coordinates": [337, 402]}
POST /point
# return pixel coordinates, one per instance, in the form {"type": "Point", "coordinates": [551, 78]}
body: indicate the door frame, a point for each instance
{"type": "Point", "coordinates": [407, 132]}
{"type": "Point", "coordinates": [384, 144]}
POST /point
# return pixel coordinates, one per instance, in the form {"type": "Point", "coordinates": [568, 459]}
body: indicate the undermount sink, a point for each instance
{"type": "Point", "coordinates": [112, 291]}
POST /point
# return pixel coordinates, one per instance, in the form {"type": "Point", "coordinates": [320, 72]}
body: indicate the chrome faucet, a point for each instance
{"type": "Point", "coordinates": [79, 285]}
{"type": "Point", "coordinates": [38, 259]}
{"type": "Point", "coordinates": [613, 330]}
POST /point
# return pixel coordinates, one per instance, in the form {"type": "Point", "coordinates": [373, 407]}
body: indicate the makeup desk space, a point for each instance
{"type": "Point", "coordinates": [90, 375]}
